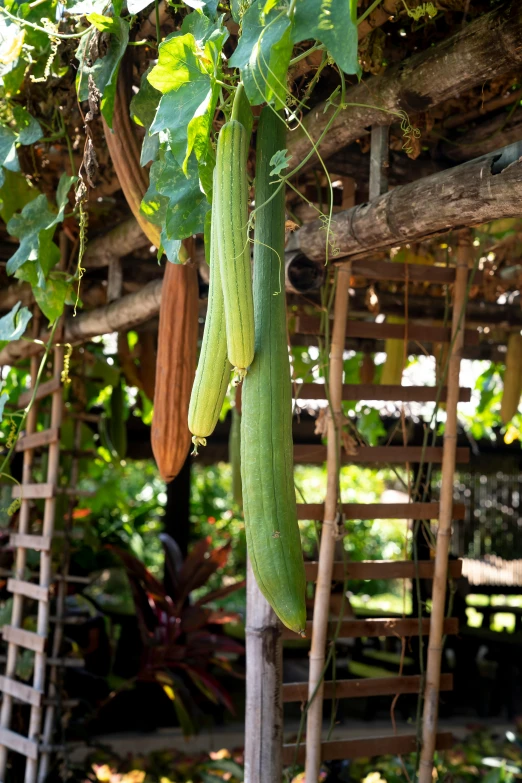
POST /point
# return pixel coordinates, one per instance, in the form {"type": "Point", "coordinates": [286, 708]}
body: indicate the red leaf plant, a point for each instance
{"type": "Point", "coordinates": [179, 634]}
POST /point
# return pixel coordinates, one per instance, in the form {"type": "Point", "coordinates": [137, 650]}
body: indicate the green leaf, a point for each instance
{"type": "Point", "coordinates": [29, 130]}
{"type": "Point", "coordinates": [179, 62]}
{"type": "Point", "coordinates": [34, 226]}
{"type": "Point", "coordinates": [13, 325]}
{"type": "Point", "coordinates": [8, 154]}
{"type": "Point", "coordinates": [334, 23]}
{"type": "Point", "coordinates": [57, 293]}
{"type": "Point", "coordinates": [105, 70]}
{"type": "Point", "coordinates": [263, 55]}
{"type": "Point", "coordinates": [280, 161]}
{"type": "Point", "coordinates": [3, 399]}
{"type": "Point", "coordinates": [187, 204]}
{"type": "Point", "coordinates": [144, 104]}
{"type": "Point", "coordinates": [15, 193]}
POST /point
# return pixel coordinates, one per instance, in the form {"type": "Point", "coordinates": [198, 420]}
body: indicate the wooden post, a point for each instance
{"type": "Point", "coordinates": [328, 538]}
{"type": "Point", "coordinates": [264, 704]}
{"type": "Point", "coordinates": [379, 161]}
{"type": "Point", "coordinates": [432, 687]}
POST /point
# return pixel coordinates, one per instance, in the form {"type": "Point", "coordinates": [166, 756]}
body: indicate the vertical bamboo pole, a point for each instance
{"type": "Point", "coordinates": [431, 692]}
{"type": "Point", "coordinates": [327, 547]}
{"type": "Point", "coordinates": [21, 553]}
{"type": "Point", "coordinates": [264, 705]}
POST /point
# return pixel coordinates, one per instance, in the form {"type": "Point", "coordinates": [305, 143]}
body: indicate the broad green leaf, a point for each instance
{"type": "Point", "coordinates": [171, 248]}
{"type": "Point", "coordinates": [15, 193]}
{"type": "Point", "coordinates": [178, 63]}
{"type": "Point", "coordinates": [144, 104]}
{"type": "Point", "coordinates": [105, 70]}
{"type": "Point", "coordinates": [201, 27]}
{"type": "Point", "coordinates": [181, 206]}
{"type": "Point", "coordinates": [13, 325]}
{"type": "Point", "coordinates": [186, 76]}
{"type": "Point", "coordinates": [263, 55]}
{"type": "Point", "coordinates": [29, 130]}
{"type": "Point", "coordinates": [3, 399]}
{"type": "Point", "coordinates": [57, 293]}
{"type": "Point", "coordinates": [334, 23]}
{"type": "Point", "coordinates": [8, 154]}
{"type": "Point", "coordinates": [34, 226]}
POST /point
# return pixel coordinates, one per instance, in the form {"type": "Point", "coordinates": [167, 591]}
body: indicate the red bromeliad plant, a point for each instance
{"type": "Point", "coordinates": [183, 639]}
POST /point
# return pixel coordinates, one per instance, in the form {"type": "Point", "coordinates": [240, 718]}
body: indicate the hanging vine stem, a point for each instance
{"type": "Point", "coordinates": [25, 23]}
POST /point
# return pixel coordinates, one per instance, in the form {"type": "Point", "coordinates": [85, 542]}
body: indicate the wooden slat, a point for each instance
{"type": "Point", "coordinates": [371, 686]}
{"type": "Point", "coordinates": [23, 638]}
{"type": "Point", "coordinates": [44, 389]}
{"type": "Point", "coordinates": [34, 491]}
{"type": "Point", "coordinates": [381, 511]}
{"type": "Point", "coordinates": [20, 691]}
{"type": "Point", "coordinates": [383, 569]}
{"type": "Point", "coordinates": [28, 589]}
{"type": "Point", "coordinates": [19, 744]}
{"type": "Point", "coordinates": [387, 626]}
{"type": "Point", "coordinates": [68, 663]}
{"type": "Point", "coordinates": [38, 439]}
{"type": "Point", "coordinates": [360, 748]}
{"type": "Point", "coordinates": [388, 393]}
{"type": "Point", "coordinates": [370, 330]}
{"type": "Point", "coordinates": [315, 454]}
{"type": "Point", "coordinates": [400, 273]}
{"type": "Point", "coordinates": [25, 541]}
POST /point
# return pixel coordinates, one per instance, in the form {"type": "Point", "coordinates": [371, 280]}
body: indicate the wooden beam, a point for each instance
{"type": "Point", "coordinates": [359, 748]}
{"type": "Point", "coordinates": [490, 47]}
{"type": "Point", "coordinates": [365, 455]}
{"type": "Point", "coordinates": [361, 688]}
{"type": "Point", "coordinates": [383, 569]}
{"type": "Point", "coordinates": [479, 191]}
{"type": "Point", "coordinates": [28, 589]}
{"type": "Point", "coordinates": [120, 241]}
{"type": "Point", "coordinates": [309, 324]}
{"type": "Point", "coordinates": [20, 691]}
{"type": "Point", "coordinates": [379, 627]}
{"type": "Point", "coordinates": [26, 541]}
{"type": "Point", "coordinates": [44, 390]}
{"type": "Point", "coordinates": [37, 440]}
{"type": "Point", "coordinates": [19, 744]}
{"type": "Point", "coordinates": [370, 391]}
{"type": "Point", "coordinates": [33, 491]}
{"type": "Point", "coordinates": [381, 511]}
{"type": "Point", "coordinates": [23, 638]}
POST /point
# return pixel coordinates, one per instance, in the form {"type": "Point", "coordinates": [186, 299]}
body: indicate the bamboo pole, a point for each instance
{"type": "Point", "coordinates": [264, 704]}
{"type": "Point", "coordinates": [435, 644]}
{"type": "Point", "coordinates": [328, 537]}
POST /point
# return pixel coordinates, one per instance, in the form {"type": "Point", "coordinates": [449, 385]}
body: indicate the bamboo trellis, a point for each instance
{"type": "Point", "coordinates": [16, 636]}
{"type": "Point", "coordinates": [333, 514]}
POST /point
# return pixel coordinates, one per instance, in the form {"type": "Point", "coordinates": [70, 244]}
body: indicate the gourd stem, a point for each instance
{"type": "Point", "coordinates": [237, 101]}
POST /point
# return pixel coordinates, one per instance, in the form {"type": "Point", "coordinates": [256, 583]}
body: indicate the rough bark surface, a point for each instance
{"type": "Point", "coordinates": [486, 48]}
{"type": "Point", "coordinates": [484, 189]}
{"type": "Point", "coordinates": [120, 241]}
{"type": "Point", "coordinates": [175, 368]}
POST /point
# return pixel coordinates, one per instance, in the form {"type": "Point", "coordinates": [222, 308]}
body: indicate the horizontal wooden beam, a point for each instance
{"type": "Point", "coordinates": [34, 491]}
{"type": "Point", "coordinates": [366, 455]}
{"type": "Point", "coordinates": [26, 541]}
{"type": "Point", "coordinates": [490, 46]}
{"type": "Point", "coordinates": [479, 191]}
{"type": "Point", "coordinates": [20, 691]}
{"type": "Point", "coordinates": [28, 589]}
{"type": "Point", "coordinates": [19, 744]}
{"type": "Point", "coordinates": [370, 686]}
{"type": "Point", "coordinates": [22, 638]}
{"type": "Point", "coordinates": [381, 511]}
{"type": "Point", "coordinates": [372, 269]}
{"type": "Point", "coordinates": [309, 324]}
{"type": "Point", "coordinates": [371, 391]}
{"type": "Point", "coordinates": [383, 569]}
{"type": "Point", "coordinates": [44, 389]}
{"type": "Point", "coordinates": [37, 440]}
{"type": "Point", "coordinates": [378, 627]}
{"type": "Point", "coordinates": [393, 744]}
